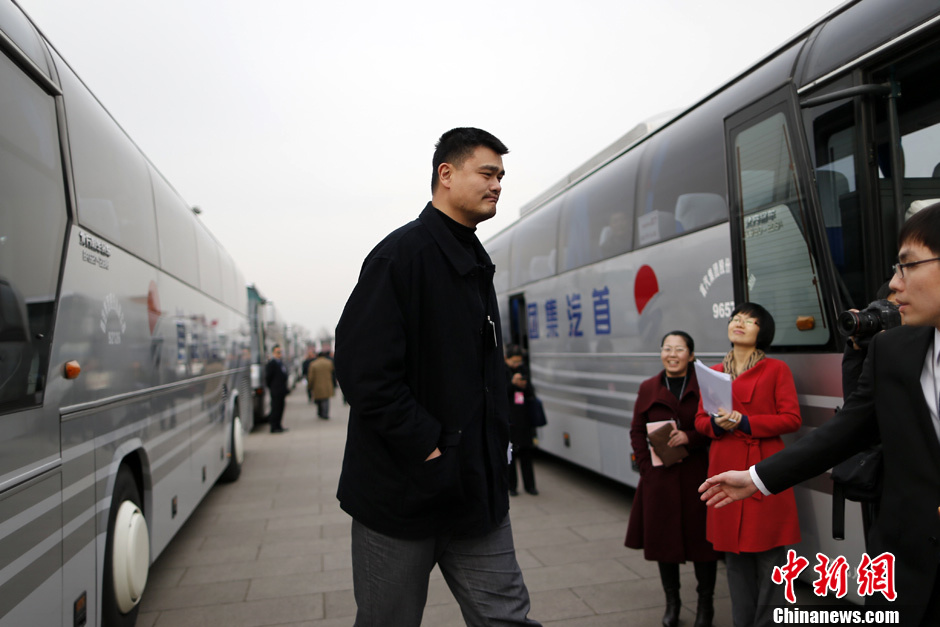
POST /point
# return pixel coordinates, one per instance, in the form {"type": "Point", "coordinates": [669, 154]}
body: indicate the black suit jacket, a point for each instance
{"type": "Point", "coordinates": [888, 405]}
{"type": "Point", "coordinates": [276, 378]}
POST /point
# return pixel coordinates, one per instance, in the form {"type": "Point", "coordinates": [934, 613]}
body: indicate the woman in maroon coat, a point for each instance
{"type": "Point", "coordinates": [667, 520]}
{"type": "Point", "coordinates": [754, 532]}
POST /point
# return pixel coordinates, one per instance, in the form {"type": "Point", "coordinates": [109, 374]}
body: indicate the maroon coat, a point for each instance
{"type": "Point", "coordinates": [667, 519]}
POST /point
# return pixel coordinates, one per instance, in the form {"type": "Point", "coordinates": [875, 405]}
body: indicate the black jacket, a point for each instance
{"type": "Point", "coordinates": [887, 405]}
{"type": "Point", "coordinates": [419, 357]}
{"type": "Point", "coordinates": [276, 378]}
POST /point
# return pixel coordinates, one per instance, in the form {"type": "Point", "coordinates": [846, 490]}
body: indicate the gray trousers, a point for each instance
{"type": "Point", "coordinates": [753, 593]}
{"type": "Point", "coordinates": [390, 577]}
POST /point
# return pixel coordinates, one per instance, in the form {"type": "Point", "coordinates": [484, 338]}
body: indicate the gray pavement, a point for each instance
{"type": "Point", "coordinates": [273, 547]}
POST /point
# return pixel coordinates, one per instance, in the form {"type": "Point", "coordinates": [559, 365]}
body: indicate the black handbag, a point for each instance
{"type": "Point", "coordinates": [536, 412]}
{"type": "Point", "coordinates": [857, 479]}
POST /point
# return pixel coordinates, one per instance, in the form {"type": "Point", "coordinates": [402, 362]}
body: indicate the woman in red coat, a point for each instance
{"type": "Point", "coordinates": [753, 533]}
{"type": "Point", "coordinates": [667, 520]}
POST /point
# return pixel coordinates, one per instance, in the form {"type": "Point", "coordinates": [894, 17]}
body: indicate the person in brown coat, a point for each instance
{"type": "Point", "coordinates": [667, 519]}
{"type": "Point", "coordinates": [321, 378]}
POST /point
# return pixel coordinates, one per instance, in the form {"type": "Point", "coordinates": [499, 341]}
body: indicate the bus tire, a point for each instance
{"type": "Point", "coordinates": [237, 450]}
{"type": "Point", "coordinates": [126, 555]}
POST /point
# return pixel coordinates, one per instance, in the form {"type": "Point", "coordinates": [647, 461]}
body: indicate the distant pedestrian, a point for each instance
{"type": "Point", "coordinates": [419, 355]}
{"type": "Point", "coordinates": [320, 381]}
{"type": "Point", "coordinates": [311, 355]}
{"type": "Point", "coordinates": [521, 431]}
{"type": "Point", "coordinates": [275, 376]}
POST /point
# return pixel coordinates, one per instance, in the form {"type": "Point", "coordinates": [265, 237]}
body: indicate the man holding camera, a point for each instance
{"type": "Point", "coordinates": [860, 327]}
{"type": "Point", "coordinates": [896, 402]}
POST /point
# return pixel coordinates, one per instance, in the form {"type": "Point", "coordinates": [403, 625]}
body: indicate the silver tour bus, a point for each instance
{"type": "Point", "coordinates": [124, 350]}
{"type": "Point", "coordinates": [785, 187]}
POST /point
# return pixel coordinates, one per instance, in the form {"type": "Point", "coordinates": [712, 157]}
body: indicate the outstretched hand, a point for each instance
{"type": "Point", "coordinates": [727, 487]}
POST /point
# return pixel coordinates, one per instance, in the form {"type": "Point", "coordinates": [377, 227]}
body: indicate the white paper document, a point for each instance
{"type": "Point", "coordinates": [715, 388]}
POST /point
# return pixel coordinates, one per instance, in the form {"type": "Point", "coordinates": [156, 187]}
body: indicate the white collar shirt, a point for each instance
{"type": "Point", "coordinates": [930, 381]}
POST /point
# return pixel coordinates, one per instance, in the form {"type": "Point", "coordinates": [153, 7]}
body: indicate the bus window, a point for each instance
{"type": "Point", "coordinates": [781, 273]}
{"type": "Point", "coordinates": [16, 26]}
{"type": "Point", "coordinates": [834, 150]}
{"type": "Point", "coordinates": [918, 105]}
{"type": "Point", "coordinates": [210, 266]}
{"type": "Point", "coordinates": [112, 184]}
{"type": "Point", "coordinates": [240, 303]}
{"type": "Point", "coordinates": [534, 245]}
{"type": "Point", "coordinates": [498, 250]}
{"type": "Point", "coordinates": [176, 232]}
{"type": "Point", "coordinates": [230, 288]}
{"type": "Point", "coordinates": [597, 217]}
{"type": "Point", "coordinates": [682, 178]}
{"type": "Point", "coordinates": [32, 230]}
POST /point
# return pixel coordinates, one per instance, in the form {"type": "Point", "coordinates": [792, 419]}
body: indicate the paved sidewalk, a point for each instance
{"type": "Point", "coordinates": [273, 548]}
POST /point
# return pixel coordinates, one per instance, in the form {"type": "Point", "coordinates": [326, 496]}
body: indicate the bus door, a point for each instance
{"type": "Point", "coordinates": [518, 322]}
{"type": "Point", "coordinates": [774, 230]}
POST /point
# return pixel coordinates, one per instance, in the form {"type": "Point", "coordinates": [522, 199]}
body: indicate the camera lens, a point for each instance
{"type": "Point", "coordinates": [848, 323]}
{"type": "Point", "coordinates": [879, 315]}
{"type": "Point", "coordinates": [863, 323]}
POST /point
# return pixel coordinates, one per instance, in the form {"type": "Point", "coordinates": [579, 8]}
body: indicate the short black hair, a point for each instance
{"type": "Point", "coordinates": [923, 228]}
{"type": "Point", "coordinates": [765, 323]}
{"type": "Point", "coordinates": [514, 350]}
{"type": "Point", "coordinates": [884, 291]}
{"type": "Point", "coordinates": [457, 144]}
{"type": "Point", "coordinates": [689, 342]}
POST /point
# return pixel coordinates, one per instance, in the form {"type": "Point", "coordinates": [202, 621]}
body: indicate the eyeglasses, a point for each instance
{"type": "Point", "coordinates": [744, 322]}
{"type": "Point", "coordinates": [899, 267]}
{"type": "Point", "coordinates": [673, 350]}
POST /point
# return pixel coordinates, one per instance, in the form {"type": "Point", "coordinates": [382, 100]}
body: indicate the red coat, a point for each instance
{"type": "Point", "coordinates": [767, 396]}
{"type": "Point", "coordinates": [667, 519]}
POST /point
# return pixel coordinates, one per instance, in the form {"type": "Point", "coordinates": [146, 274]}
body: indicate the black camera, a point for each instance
{"type": "Point", "coordinates": [880, 315]}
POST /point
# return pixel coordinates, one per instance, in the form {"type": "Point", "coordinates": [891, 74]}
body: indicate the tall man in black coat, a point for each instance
{"type": "Point", "coordinates": [275, 376]}
{"type": "Point", "coordinates": [419, 357]}
{"type": "Point", "coordinates": [896, 403]}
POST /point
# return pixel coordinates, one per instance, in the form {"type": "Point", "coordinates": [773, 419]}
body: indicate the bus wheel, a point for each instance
{"type": "Point", "coordinates": [126, 556]}
{"type": "Point", "coordinates": [237, 455]}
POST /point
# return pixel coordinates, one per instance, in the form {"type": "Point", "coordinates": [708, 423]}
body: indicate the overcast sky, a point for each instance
{"type": "Point", "coordinates": [304, 129]}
